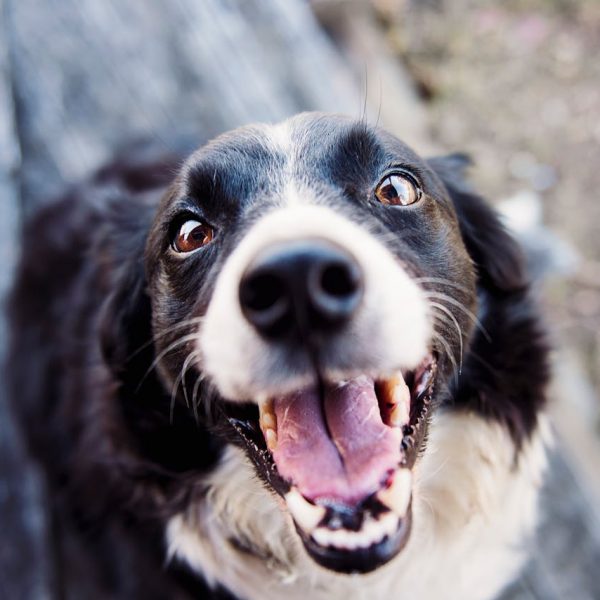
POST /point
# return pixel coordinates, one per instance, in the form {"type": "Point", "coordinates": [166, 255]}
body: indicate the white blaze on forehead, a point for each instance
{"type": "Point", "coordinates": [390, 330]}
{"type": "Point", "coordinates": [280, 137]}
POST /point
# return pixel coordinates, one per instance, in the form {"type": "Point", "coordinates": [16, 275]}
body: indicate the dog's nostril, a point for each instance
{"type": "Point", "coordinates": [265, 300]}
{"type": "Point", "coordinates": [262, 291]}
{"type": "Point", "coordinates": [339, 281]}
{"type": "Point", "coordinates": [335, 291]}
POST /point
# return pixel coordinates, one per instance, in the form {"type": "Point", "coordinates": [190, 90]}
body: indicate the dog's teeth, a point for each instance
{"type": "Point", "coordinates": [268, 423]}
{"type": "Point", "coordinates": [395, 397]}
{"type": "Point", "coordinates": [372, 532]}
{"type": "Point", "coordinates": [397, 496]}
{"type": "Point", "coordinates": [266, 413]}
{"type": "Point", "coordinates": [399, 415]}
{"type": "Point", "coordinates": [306, 515]}
{"type": "Point", "coordinates": [271, 439]}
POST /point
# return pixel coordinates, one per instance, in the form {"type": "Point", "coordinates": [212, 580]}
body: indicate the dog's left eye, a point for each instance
{"type": "Point", "coordinates": [398, 190]}
{"type": "Point", "coordinates": [192, 235]}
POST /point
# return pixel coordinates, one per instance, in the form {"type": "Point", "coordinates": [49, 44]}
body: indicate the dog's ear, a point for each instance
{"type": "Point", "coordinates": [125, 322]}
{"type": "Point", "coordinates": [498, 258]}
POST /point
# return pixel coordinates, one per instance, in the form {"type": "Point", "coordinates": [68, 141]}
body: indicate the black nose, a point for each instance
{"type": "Point", "coordinates": [308, 286]}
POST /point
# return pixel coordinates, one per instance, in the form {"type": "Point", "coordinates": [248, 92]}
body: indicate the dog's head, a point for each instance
{"type": "Point", "coordinates": [312, 298]}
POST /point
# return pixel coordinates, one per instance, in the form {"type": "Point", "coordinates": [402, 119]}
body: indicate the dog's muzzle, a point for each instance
{"type": "Point", "coordinates": [318, 339]}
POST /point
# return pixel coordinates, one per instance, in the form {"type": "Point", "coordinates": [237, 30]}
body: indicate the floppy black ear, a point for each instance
{"type": "Point", "coordinates": [499, 260]}
{"type": "Point", "coordinates": [125, 322]}
{"type": "Point", "coordinates": [139, 171]}
{"type": "Point", "coordinates": [509, 344]}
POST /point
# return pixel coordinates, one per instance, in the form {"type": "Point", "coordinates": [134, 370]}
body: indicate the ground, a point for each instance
{"type": "Point", "coordinates": [517, 85]}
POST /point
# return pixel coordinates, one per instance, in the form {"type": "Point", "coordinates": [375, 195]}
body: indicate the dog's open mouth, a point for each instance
{"type": "Point", "coordinates": [341, 456]}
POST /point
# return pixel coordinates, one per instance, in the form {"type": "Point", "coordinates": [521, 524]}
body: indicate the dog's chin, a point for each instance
{"type": "Point", "coordinates": [341, 455]}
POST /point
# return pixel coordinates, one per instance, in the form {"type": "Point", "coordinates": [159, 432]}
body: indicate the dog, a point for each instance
{"type": "Point", "coordinates": [303, 362]}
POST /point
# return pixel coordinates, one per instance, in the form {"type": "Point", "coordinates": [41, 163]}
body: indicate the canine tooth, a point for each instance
{"type": "Point", "coordinates": [399, 415]}
{"type": "Point", "coordinates": [321, 536]}
{"type": "Point", "coordinates": [396, 398]}
{"type": "Point", "coordinates": [271, 438]}
{"type": "Point", "coordinates": [266, 412]}
{"type": "Point", "coordinates": [389, 523]}
{"type": "Point", "coordinates": [268, 422]}
{"type": "Point", "coordinates": [397, 496]}
{"type": "Point", "coordinates": [307, 515]}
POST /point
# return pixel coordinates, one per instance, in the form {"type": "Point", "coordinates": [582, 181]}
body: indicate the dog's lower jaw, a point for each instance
{"type": "Point", "coordinates": [473, 512]}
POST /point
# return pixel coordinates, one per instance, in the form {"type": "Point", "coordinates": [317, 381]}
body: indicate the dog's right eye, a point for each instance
{"type": "Point", "coordinates": [192, 235]}
{"type": "Point", "coordinates": [398, 189]}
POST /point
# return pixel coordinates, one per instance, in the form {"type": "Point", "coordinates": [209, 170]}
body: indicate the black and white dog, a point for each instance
{"type": "Point", "coordinates": [308, 353]}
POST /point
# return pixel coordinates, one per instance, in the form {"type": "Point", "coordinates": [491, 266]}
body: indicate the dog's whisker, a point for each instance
{"type": "Point", "coordinates": [462, 307]}
{"type": "Point", "coordinates": [363, 118]}
{"type": "Point", "coordinates": [442, 340]}
{"type": "Point", "coordinates": [195, 401]}
{"type": "Point", "coordinates": [441, 333]}
{"type": "Point", "coordinates": [180, 381]}
{"type": "Point", "coordinates": [186, 365]}
{"type": "Point", "coordinates": [187, 323]}
{"type": "Point", "coordinates": [438, 306]}
{"type": "Point", "coordinates": [427, 502]}
{"type": "Point", "coordinates": [380, 101]}
{"type": "Point", "coordinates": [444, 322]}
{"type": "Point", "coordinates": [179, 342]}
{"type": "Point", "coordinates": [439, 469]}
{"type": "Point", "coordinates": [443, 281]}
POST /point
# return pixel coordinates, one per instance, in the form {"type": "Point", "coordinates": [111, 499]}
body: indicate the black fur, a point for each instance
{"type": "Point", "coordinates": [89, 297]}
{"type": "Point", "coordinates": [506, 370]}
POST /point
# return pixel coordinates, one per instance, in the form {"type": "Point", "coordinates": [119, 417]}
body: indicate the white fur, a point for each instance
{"type": "Point", "coordinates": [390, 331]}
{"type": "Point", "coordinates": [280, 138]}
{"type": "Point", "coordinates": [474, 508]}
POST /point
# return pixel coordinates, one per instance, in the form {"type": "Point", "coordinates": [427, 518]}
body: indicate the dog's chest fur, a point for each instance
{"type": "Point", "coordinates": [475, 508]}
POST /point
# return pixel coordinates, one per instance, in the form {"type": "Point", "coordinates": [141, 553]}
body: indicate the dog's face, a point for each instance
{"type": "Point", "coordinates": [311, 292]}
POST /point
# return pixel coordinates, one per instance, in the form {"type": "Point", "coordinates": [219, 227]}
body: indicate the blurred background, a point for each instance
{"type": "Point", "coordinates": [516, 84]}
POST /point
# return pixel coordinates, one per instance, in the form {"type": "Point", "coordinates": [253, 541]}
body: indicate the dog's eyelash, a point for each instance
{"type": "Point", "coordinates": [405, 171]}
{"type": "Point", "coordinates": [181, 217]}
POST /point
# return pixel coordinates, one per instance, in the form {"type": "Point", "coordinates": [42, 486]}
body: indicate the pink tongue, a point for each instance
{"type": "Point", "coordinates": [339, 449]}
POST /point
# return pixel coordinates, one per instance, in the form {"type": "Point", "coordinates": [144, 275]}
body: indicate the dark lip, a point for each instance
{"type": "Point", "coordinates": [244, 419]}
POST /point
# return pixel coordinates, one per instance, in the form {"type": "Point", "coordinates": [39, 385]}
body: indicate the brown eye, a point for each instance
{"type": "Point", "coordinates": [192, 235]}
{"type": "Point", "coordinates": [397, 189]}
